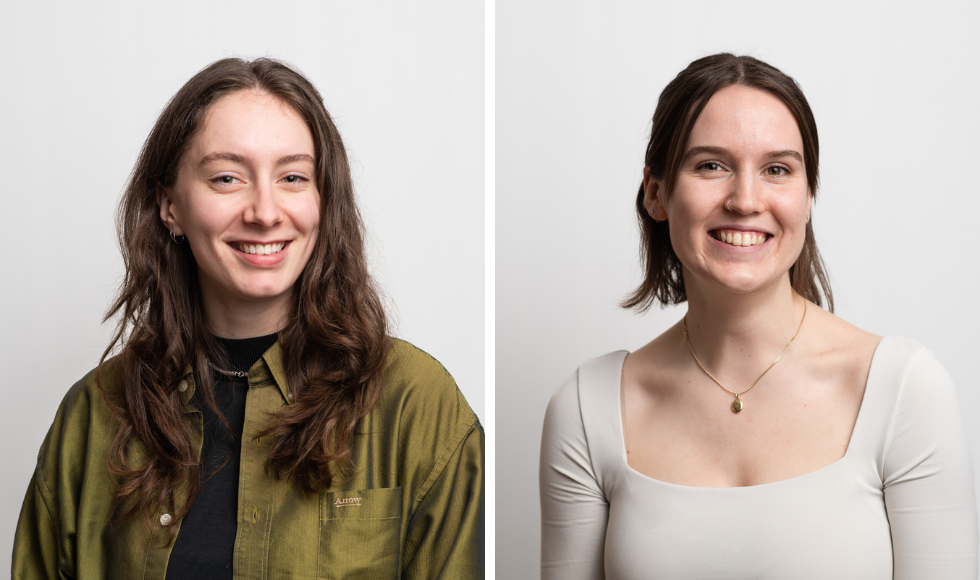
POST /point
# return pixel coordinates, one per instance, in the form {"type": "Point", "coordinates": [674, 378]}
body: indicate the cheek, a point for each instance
{"type": "Point", "coordinates": [314, 231]}
{"type": "Point", "coordinates": [200, 215]}
{"type": "Point", "coordinates": [310, 220]}
{"type": "Point", "coordinates": [685, 241]}
{"type": "Point", "coordinates": [792, 218]}
{"type": "Point", "coordinates": [792, 212]}
{"type": "Point", "coordinates": [685, 220]}
{"type": "Point", "coordinates": [305, 216]}
{"type": "Point", "coordinates": [207, 223]}
{"type": "Point", "coordinates": [309, 225]}
{"type": "Point", "coordinates": [308, 217]}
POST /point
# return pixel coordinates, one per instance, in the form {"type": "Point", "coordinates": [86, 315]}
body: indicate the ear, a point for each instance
{"type": "Point", "coordinates": [168, 212]}
{"type": "Point", "coordinates": [653, 196]}
{"type": "Point", "coordinates": [809, 204]}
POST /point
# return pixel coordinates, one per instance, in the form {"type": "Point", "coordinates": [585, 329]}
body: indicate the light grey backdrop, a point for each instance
{"type": "Point", "coordinates": [83, 84]}
{"type": "Point", "coordinates": [895, 95]}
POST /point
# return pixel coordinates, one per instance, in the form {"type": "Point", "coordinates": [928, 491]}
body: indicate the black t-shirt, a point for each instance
{"type": "Point", "coordinates": [205, 545]}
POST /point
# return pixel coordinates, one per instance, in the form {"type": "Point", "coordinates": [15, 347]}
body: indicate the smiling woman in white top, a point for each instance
{"type": "Point", "coordinates": [760, 436]}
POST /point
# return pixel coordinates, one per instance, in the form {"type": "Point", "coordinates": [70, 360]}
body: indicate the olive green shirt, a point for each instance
{"type": "Point", "coordinates": [412, 509]}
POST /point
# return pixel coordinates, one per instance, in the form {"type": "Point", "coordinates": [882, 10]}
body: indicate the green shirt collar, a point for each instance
{"type": "Point", "coordinates": [269, 367]}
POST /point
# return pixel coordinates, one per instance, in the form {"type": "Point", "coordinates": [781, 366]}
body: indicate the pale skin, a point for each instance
{"type": "Point", "coordinates": [745, 148]}
{"type": "Point", "coordinates": [247, 180]}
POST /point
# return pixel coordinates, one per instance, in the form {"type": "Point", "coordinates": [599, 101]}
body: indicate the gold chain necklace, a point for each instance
{"type": "Point", "coordinates": [737, 404]}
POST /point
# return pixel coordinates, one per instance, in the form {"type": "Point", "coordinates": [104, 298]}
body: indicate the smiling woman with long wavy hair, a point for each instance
{"type": "Point", "coordinates": [258, 420]}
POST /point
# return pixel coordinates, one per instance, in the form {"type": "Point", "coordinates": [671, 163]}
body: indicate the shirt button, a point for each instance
{"type": "Point", "coordinates": [165, 519]}
{"type": "Point", "coordinates": [182, 387]}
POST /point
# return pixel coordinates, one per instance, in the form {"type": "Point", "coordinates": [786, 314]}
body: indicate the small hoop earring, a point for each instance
{"type": "Point", "coordinates": [728, 205]}
{"type": "Point", "coordinates": [174, 237]}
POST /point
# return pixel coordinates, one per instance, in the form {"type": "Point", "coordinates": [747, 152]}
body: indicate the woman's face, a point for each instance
{"type": "Point", "coordinates": [738, 211]}
{"type": "Point", "coordinates": [247, 200]}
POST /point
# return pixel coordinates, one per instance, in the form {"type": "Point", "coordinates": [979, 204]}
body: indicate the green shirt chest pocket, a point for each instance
{"type": "Point", "coordinates": [360, 534]}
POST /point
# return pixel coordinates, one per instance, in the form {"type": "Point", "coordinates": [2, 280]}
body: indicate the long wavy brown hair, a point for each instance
{"type": "Point", "coordinates": [334, 343]}
{"type": "Point", "coordinates": [678, 109]}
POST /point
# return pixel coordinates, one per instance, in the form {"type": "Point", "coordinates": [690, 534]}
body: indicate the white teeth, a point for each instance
{"type": "Point", "coordinates": [261, 249]}
{"type": "Point", "coordinates": [742, 239]}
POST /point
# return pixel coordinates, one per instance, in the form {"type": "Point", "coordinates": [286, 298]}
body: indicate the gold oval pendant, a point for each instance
{"type": "Point", "coordinates": [737, 405]}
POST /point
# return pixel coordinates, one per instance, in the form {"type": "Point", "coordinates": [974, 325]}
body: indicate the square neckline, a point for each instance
{"type": "Point", "coordinates": [858, 422]}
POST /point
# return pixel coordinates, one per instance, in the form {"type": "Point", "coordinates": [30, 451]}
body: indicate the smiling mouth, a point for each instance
{"type": "Point", "coordinates": [259, 249]}
{"type": "Point", "coordinates": [740, 238]}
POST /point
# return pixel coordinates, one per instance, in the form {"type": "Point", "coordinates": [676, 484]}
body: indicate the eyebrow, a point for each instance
{"type": "Point", "coordinates": [235, 157]}
{"type": "Point", "coordinates": [722, 151]}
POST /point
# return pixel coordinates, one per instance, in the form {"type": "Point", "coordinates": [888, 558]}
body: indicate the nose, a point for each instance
{"type": "Point", "coordinates": [263, 208]}
{"type": "Point", "coordinates": [745, 197]}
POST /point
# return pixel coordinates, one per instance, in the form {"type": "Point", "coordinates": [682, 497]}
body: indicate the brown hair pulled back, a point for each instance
{"type": "Point", "coordinates": [334, 344]}
{"type": "Point", "coordinates": [678, 109]}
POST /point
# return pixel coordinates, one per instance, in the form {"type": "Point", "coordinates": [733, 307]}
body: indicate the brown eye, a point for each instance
{"type": "Point", "coordinates": [777, 171]}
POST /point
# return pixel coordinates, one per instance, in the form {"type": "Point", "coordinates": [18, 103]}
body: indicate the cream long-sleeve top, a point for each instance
{"type": "Point", "coordinates": [899, 505]}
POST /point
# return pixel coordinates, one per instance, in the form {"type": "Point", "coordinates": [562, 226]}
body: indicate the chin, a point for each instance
{"type": "Point", "coordinates": [739, 282]}
{"type": "Point", "coordinates": [263, 292]}
{"type": "Point", "coordinates": [748, 285]}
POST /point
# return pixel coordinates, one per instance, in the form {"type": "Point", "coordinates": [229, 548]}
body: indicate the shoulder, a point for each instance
{"type": "Point", "coordinates": [583, 422]}
{"type": "Point", "coordinates": [581, 435]}
{"type": "Point", "coordinates": [109, 375]}
{"type": "Point", "coordinates": [597, 377]}
{"type": "Point", "coordinates": [79, 434]}
{"type": "Point", "coordinates": [915, 404]}
{"type": "Point", "coordinates": [908, 364]}
{"type": "Point", "coordinates": [838, 360]}
{"type": "Point", "coordinates": [837, 345]}
{"type": "Point", "coordinates": [563, 427]}
{"type": "Point", "coordinates": [564, 405]}
{"type": "Point", "coordinates": [919, 382]}
{"type": "Point", "coordinates": [410, 366]}
{"type": "Point", "coordinates": [84, 406]}
{"type": "Point", "coordinates": [416, 383]}
{"type": "Point", "coordinates": [426, 417]}
{"type": "Point", "coordinates": [420, 400]}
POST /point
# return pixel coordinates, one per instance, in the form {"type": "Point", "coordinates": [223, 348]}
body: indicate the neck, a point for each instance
{"type": "Point", "coordinates": [244, 318]}
{"type": "Point", "coordinates": [240, 354]}
{"type": "Point", "coordinates": [737, 336]}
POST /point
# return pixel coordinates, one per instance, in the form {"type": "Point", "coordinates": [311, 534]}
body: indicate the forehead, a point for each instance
{"type": "Point", "coordinates": [253, 124]}
{"type": "Point", "coordinates": [745, 119]}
